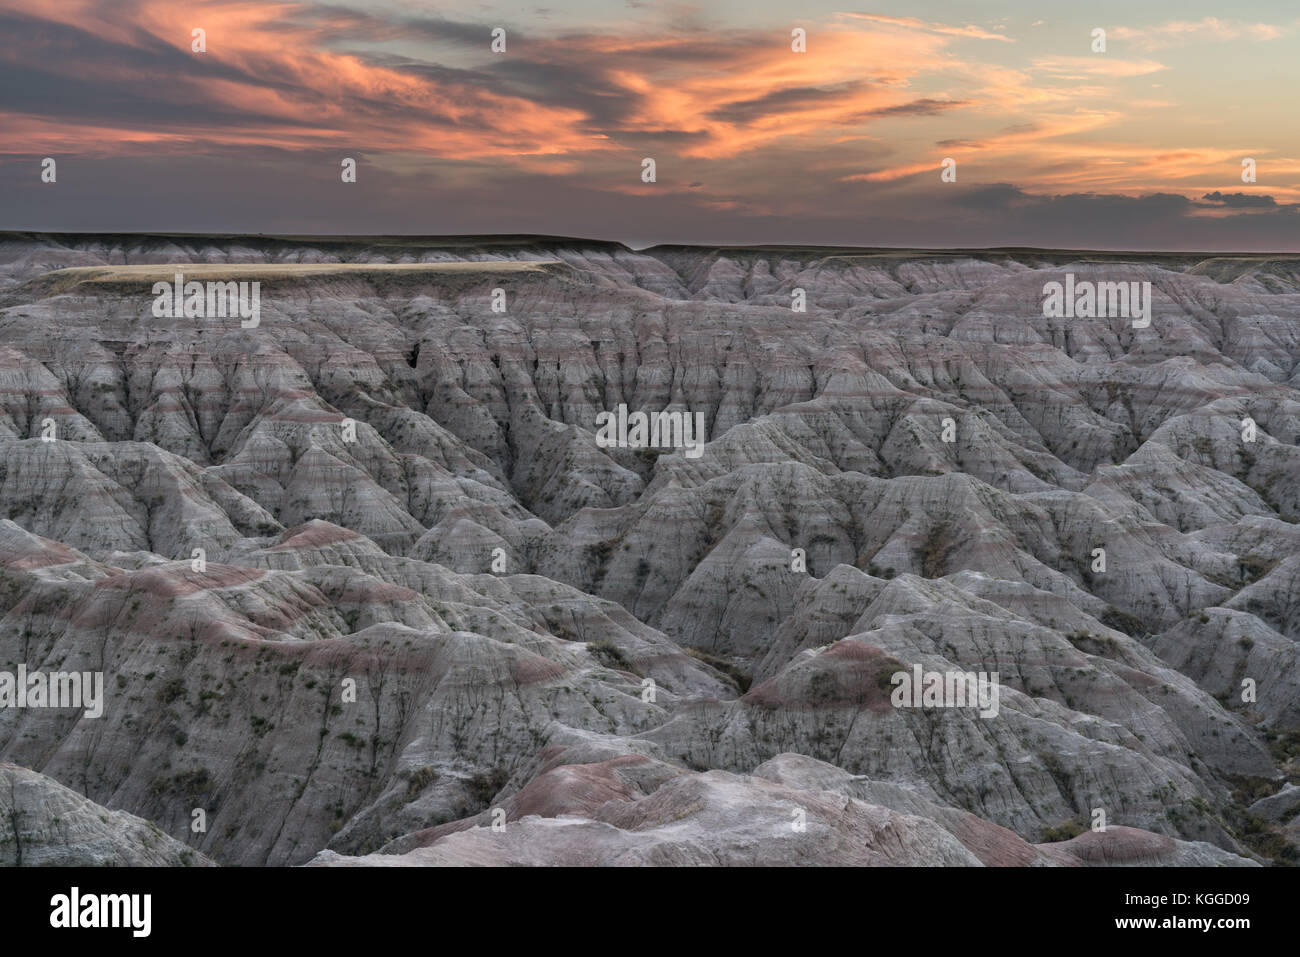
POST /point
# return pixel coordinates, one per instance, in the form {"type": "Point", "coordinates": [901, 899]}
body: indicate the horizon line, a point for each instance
{"type": "Point", "coordinates": [523, 238]}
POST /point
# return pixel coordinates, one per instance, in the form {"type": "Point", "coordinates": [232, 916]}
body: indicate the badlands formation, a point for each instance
{"type": "Point", "coordinates": [364, 588]}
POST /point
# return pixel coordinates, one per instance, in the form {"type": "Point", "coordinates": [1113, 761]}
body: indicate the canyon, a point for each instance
{"type": "Point", "coordinates": [365, 589]}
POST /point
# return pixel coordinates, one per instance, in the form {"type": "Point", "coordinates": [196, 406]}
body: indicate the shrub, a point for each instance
{"type": "Point", "coordinates": [934, 553]}
{"type": "Point", "coordinates": [610, 655]}
{"type": "Point", "coordinates": [1121, 620]}
{"type": "Point", "coordinates": [417, 780]}
{"type": "Point", "coordinates": [484, 786]}
{"type": "Point", "coordinates": [1253, 567]}
{"type": "Point", "coordinates": [172, 689]}
{"type": "Point", "coordinates": [740, 679]}
{"type": "Point", "coordinates": [1064, 831]}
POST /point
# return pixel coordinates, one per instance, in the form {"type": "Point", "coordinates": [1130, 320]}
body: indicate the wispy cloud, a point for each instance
{"type": "Point", "coordinates": [1207, 30]}
{"type": "Point", "coordinates": [925, 26]}
{"type": "Point", "coordinates": [1083, 67]}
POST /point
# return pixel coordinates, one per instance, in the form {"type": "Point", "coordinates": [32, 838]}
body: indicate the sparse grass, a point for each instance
{"type": "Point", "coordinates": [171, 689]}
{"type": "Point", "coordinates": [740, 679]}
{"type": "Point", "coordinates": [1261, 836]}
{"type": "Point", "coordinates": [934, 552]}
{"type": "Point", "coordinates": [186, 784]}
{"type": "Point", "coordinates": [1101, 645]}
{"type": "Point", "coordinates": [1065, 831]}
{"type": "Point", "coordinates": [417, 780]}
{"type": "Point", "coordinates": [610, 655]}
{"type": "Point", "coordinates": [1253, 567]}
{"type": "Point", "coordinates": [1121, 620]}
{"type": "Point", "coordinates": [483, 786]}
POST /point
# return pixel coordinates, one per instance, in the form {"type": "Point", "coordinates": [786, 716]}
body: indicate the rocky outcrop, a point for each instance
{"type": "Point", "coordinates": [44, 824]}
{"type": "Point", "coordinates": [792, 810]}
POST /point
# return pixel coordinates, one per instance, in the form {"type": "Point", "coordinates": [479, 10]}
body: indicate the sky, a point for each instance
{"type": "Point", "coordinates": [1054, 143]}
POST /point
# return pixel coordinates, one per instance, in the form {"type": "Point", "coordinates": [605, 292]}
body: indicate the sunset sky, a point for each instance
{"type": "Point", "coordinates": [1139, 147]}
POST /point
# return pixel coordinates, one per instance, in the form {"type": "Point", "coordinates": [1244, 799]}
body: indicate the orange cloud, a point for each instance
{"type": "Point", "coordinates": [268, 73]}
{"type": "Point", "coordinates": [276, 72]}
{"type": "Point", "coordinates": [277, 75]}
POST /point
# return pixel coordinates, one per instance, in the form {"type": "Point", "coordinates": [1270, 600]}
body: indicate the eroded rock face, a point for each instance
{"type": "Point", "coordinates": [792, 810]}
{"type": "Point", "coordinates": [44, 824]}
{"type": "Point", "coordinates": [362, 574]}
